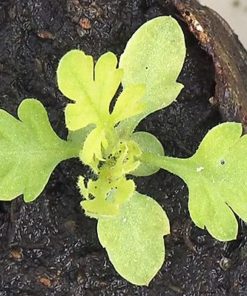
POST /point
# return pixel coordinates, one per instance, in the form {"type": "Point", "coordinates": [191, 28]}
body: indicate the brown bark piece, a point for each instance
{"type": "Point", "coordinates": [229, 56]}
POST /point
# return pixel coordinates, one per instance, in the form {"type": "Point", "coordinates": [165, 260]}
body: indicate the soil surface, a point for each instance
{"type": "Point", "coordinates": [49, 247]}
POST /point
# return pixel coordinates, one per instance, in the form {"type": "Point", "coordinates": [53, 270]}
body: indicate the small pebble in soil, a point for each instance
{"type": "Point", "coordinates": [16, 254]}
{"type": "Point", "coordinates": [213, 101]}
{"type": "Point", "coordinates": [225, 263]}
{"type": "Point", "coordinates": [85, 23]}
{"type": "Point", "coordinates": [45, 35]}
{"type": "Point", "coordinates": [45, 281]}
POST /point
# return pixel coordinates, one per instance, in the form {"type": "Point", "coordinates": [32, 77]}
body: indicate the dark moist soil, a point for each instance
{"type": "Point", "coordinates": [49, 247]}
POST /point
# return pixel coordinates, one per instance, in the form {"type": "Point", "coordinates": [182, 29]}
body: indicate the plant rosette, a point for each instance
{"type": "Point", "coordinates": [131, 226]}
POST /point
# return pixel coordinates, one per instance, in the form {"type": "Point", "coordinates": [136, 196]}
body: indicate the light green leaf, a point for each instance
{"type": "Point", "coordinates": [107, 79]}
{"type": "Point", "coordinates": [124, 159]}
{"type": "Point", "coordinates": [92, 148]}
{"type": "Point", "coordinates": [216, 179]}
{"type": "Point", "coordinates": [154, 56]}
{"type": "Point", "coordinates": [75, 75]}
{"type": "Point", "coordinates": [105, 196]}
{"type": "Point", "coordinates": [134, 238]}
{"type": "Point", "coordinates": [148, 144]}
{"type": "Point", "coordinates": [79, 136]}
{"type": "Point", "coordinates": [29, 151]}
{"type": "Point", "coordinates": [91, 90]}
{"type": "Point", "coordinates": [129, 103]}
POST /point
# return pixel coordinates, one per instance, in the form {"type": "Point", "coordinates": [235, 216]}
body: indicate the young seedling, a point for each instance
{"type": "Point", "coordinates": [130, 225]}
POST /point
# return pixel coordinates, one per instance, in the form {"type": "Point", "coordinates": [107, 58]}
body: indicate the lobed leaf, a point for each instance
{"type": "Point", "coordinates": [92, 90]}
{"type": "Point", "coordinates": [218, 185]}
{"type": "Point", "coordinates": [216, 179]}
{"type": "Point", "coordinates": [134, 238]}
{"type": "Point", "coordinates": [29, 151]}
{"type": "Point", "coordinates": [104, 197]}
{"type": "Point", "coordinates": [154, 56]}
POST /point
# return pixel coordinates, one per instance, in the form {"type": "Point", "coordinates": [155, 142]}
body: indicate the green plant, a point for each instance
{"type": "Point", "coordinates": [131, 226]}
